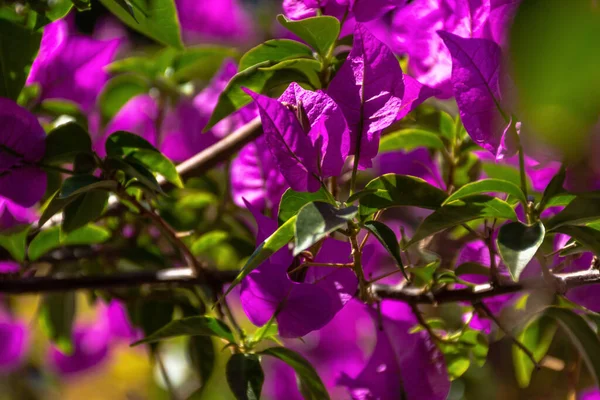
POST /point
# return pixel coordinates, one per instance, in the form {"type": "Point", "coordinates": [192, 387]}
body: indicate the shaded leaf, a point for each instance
{"type": "Point", "coordinates": [310, 384]}
{"type": "Point", "coordinates": [318, 219]}
{"type": "Point", "coordinates": [579, 211]}
{"type": "Point", "coordinates": [461, 211]}
{"type": "Point", "coordinates": [118, 91]}
{"type": "Point", "coordinates": [202, 354]}
{"type": "Point", "coordinates": [50, 239]}
{"type": "Point", "coordinates": [393, 190]}
{"type": "Point", "coordinates": [585, 235]}
{"type": "Point", "coordinates": [14, 241]}
{"type": "Point", "coordinates": [57, 314]}
{"type": "Point", "coordinates": [537, 336]}
{"type": "Point", "coordinates": [388, 239]}
{"type": "Point", "coordinates": [65, 142]}
{"type": "Point", "coordinates": [292, 202]}
{"type": "Point", "coordinates": [245, 376]}
{"type": "Point", "coordinates": [79, 184]}
{"type": "Point", "coordinates": [191, 326]}
{"type": "Point", "coordinates": [86, 208]}
{"type": "Point", "coordinates": [410, 139]}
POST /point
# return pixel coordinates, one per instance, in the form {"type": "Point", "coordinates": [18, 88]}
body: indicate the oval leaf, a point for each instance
{"type": "Point", "coordinates": [274, 50]}
{"type": "Point", "coordinates": [393, 190]}
{"type": "Point", "coordinates": [319, 32]}
{"type": "Point", "coordinates": [245, 376]}
{"type": "Point", "coordinates": [318, 219]}
{"type": "Point", "coordinates": [488, 186]}
{"type": "Point", "coordinates": [65, 142]}
{"type": "Point", "coordinates": [292, 202]}
{"type": "Point", "coordinates": [517, 244]}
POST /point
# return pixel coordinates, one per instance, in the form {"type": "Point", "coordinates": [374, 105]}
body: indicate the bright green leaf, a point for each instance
{"type": "Point", "coordinates": [585, 235]}
{"type": "Point", "coordinates": [577, 212]}
{"type": "Point", "coordinates": [200, 63]}
{"type": "Point", "coordinates": [318, 219]}
{"type": "Point", "coordinates": [410, 139]}
{"type": "Point", "coordinates": [292, 202]}
{"type": "Point", "coordinates": [536, 336]}
{"type": "Point", "coordinates": [158, 163]}
{"type": "Point", "coordinates": [50, 239]}
{"type": "Point", "coordinates": [393, 190]}
{"type": "Point", "coordinates": [156, 19]}
{"type": "Point", "coordinates": [274, 50]}
{"type": "Point", "coordinates": [488, 186]}
{"type": "Point", "coordinates": [461, 211]}
{"type": "Point", "coordinates": [14, 241]}
{"type": "Point", "coordinates": [319, 32]}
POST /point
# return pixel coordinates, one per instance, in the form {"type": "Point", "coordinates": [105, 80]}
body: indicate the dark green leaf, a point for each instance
{"type": "Point", "coordinates": [537, 336]}
{"type": "Point", "coordinates": [18, 48]}
{"type": "Point", "coordinates": [276, 241]}
{"type": "Point", "coordinates": [588, 237]}
{"type": "Point", "coordinates": [318, 219]}
{"type": "Point", "coordinates": [292, 202]}
{"type": "Point", "coordinates": [505, 172]}
{"type": "Point", "coordinates": [121, 144]}
{"type": "Point", "coordinates": [55, 205]}
{"type": "Point", "coordinates": [202, 354]}
{"type": "Point", "coordinates": [158, 163]}
{"type": "Point", "coordinates": [57, 314]}
{"type": "Point", "coordinates": [410, 139]}
{"type": "Point", "coordinates": [118, 91]}
{"type": "Point", "coordinates": [135, 170]}
{"type": "Point", "coordinates": [582, 336]}
{"type": "Point", "coordinates": [65, 142]}
{"type": "Point", "coordinates": [86, 208]}
{"type": "Point", "coordinates": [200, 63]}
{"type": "Point", "coordinates": [245, 376]}
{"type": "Point", "coordinates": [554, 188]}
{"type": "Point", "coordinates": [461, 211]}
{"type": "Point", "coordinates": [50, 239]}
{"type": "Point", "coordinates": [359, 195]}
{"type": "Point", "coordinates": [261, 78]}
{"type": "Point", "coordinates": [393, 190]}
{"type": "Point", "coordinates": [319, 32]}
{"type": "Point", "coordinates": [14, 241]}
{"type": "Point", "coordinates": [517, 244]}
{"type": "Point", "coordinates": [577, 212]}
{"type": "Point", "coordinates": [79, 184]}
{"type": "Point", "coordinates": [126, 5]}
{"type": "Point", "coordinates": [191, 326]}
{"type": "Point", "coordinates": [154, 18]}
{"type": "Point", "coordinates": [274, 50]}
{"type": "Point", "coordinates": [388, 239]}
{"type": "Point", "coordinates": [309, 382]}
{"type": "Point", "coordinates": [137, 65]}
{"type": "Point", "coordinates": [488, 186]}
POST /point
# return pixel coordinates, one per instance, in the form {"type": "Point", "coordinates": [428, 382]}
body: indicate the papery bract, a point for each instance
{"type": "Point", "coordinates": [205, 20]}
{"type": "Point", "coordinates": [415, 93]}
{"type": "Point", "coordinates": [22, 145]}
{"type": "Point", "coordinates": [12, 214]}
{"type": "Point", "coordinates": [255, 177]}
{"type": "Point", "coordinates": [476, 66]}
{"type": "Point", "coordinates": [329, 132]}
{"type": "Point", "coordinates": [14, 343]}
{"type": "Point", "coordinates": [369, 88]}
{"type": "Point", "coordinates": [295, 155]}
{"type": "Point", "coordinates": [71, 66]}
{"type": "Point", "coordinates": [90, 349]}
{"type": "Point", "coordinates": [417, 163]}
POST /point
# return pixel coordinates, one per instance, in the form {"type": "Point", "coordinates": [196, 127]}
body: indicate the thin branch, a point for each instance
{"type": "Point", "coordinates": [481, 305]}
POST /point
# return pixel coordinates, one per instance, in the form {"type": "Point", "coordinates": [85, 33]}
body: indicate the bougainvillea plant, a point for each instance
{"type": "Point", "coordinates": [359, 207]}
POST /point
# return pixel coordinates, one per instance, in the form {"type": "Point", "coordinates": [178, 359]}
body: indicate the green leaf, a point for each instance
{"type": "Point", "coordinates": [121, 144]}
{"type": "Point", "coordinates": [274, 50]}
{"type": "Point", "coordinates": [410, 139]}
{"type": "Point", "coordinates": [18, 49]}
{"type": "Point", "coordinates": [118, 91]}
{"type": "Point", "coordinates": [50, 239]}
{"type": "Point", "coordinates": [309, 382]}
{"type": "Point", "coordinates": [537, 336]}
{"type": "Point", "coordinates": [158, 163]}
{"type": "Point", "coordinates": [319, 32]}
{"type": "Point", "coordinates": [191, 326]}
{"type": "Point", "coordinates": [358, 195]}
{"type": "Point", "coordinates": [582, 336]}
{"type": "Point", "coordinates": [55, 205]}
{"type": "Point", "coordinates": [281, 237]}
{"type": "Point", "coordinates": [86, 208]}
{"type": "Point", "coordinates": [318, 219]}
{"type": "Point", "coordinates": [554, 188]}
{"type": "Point", "coordinates": [292, 202]}
{"type": "Point", "coordinates": [586, 236]}
{"type": "Point", "coordinates": [200, 62]}
{"type": "Point", "coordinates": [208, 241]}
{"type": "Point", "coordinates": [57, 313]}
{"type": "Point", "coordinates": [393, 190]}
{"type": "Point", "coordinates": [57, 108]}
{"type": "Point", "coordinates": [14, 241]}
{"type": "Point", "coordinates": [517, 244]}
{"type": "Point", "coordinates": [144, 66]}
{"type": "Point", "coordinates": [135, 170]}
{"type": "Point", "coordinates": [245, 376]}
{"type": "Point", "coordinates": [201, 350]}
{"type": "Point", "coordinates": [461, 211]}
{"type": "Point", "coordinates": [577, 212]}
{"type": "Point", "coordinates": [488, 186]}
{"type": "Point", "coordinates": [262, 78]}
{"type": "Point", "coordinates": [79, 184]}
{"type": "Point", "coordinates": [505, 172]}
{"type": "Point", "coordinates": [156, 19]}
{"type": "Point", "coordinates": [65, 142]}
{"type": "Point", "coordinates": [388, 239]}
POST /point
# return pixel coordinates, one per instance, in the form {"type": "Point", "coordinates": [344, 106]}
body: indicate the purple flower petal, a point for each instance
{"type": "Point", "coordinates": [12, 214]}
{"type": "Point", "coordinates": [329, 131]}
{"type": "Point", "coordinates": [90, 348]}
{"type": "Point", "coordinates": [369, 89]}
{"type": "Point", "coordinates": [417, 163]}
{"type": "Point", "coordinates": [71, 67]}
{"type": "Point", "coordinates": [256, 178]}
{"type": "Point", "coordinates": [415, 93]}
{"type": "Point", "coordinates": [291, 147]}
{"type": "Point", "coordinates": [14, 343]}
{"type": "Point", "coordinates": [25, 186]}
{"type": "Point", "coordinates": [120, 327]}
{"type": "Point", "coordinates": [475, 83]}
{"type": "Point", "coordinates": [368, 10]}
